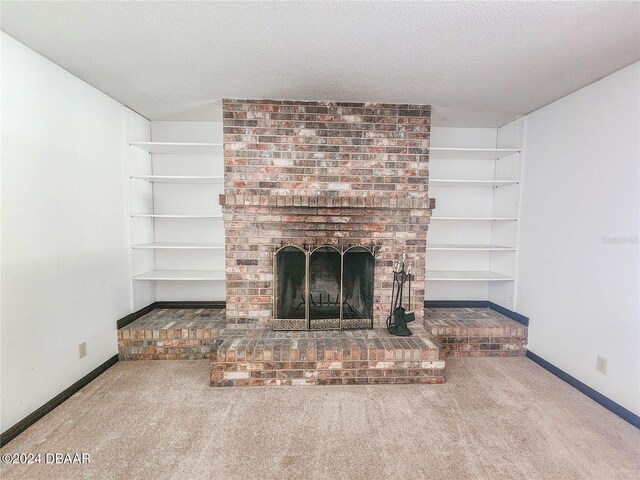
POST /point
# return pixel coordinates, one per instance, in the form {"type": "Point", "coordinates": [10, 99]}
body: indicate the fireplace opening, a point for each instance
{"type": "Point", "coordinates": [291, 264]}
{"type": "Point", "coordinates": [357, 284]}
{"type": "Point", "coordinates": [325, 288]}
{"type": "Point", "coordinates": [324, 284]}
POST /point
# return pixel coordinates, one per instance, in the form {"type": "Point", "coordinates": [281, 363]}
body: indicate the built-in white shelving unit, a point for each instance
{"type": "Point", "coordinates": [471, 248]}
{"type": "Point", "coordinates": [154, 215]}
{"type": "Point", "coordinates": [198, 148]}
{"type": "Point", "coordinates": [179, 178]}
{"type": "Point", "coordinates": [181, 275]}
{"type": "Point", "coordinates": [175, 174]}
{"type": "Point", "coordinates": [484, 219]}
{"type": "Point", "coordinates": [462, 276]}
{"type": "Point", "coordinates": [470, 153]}
{"type": "Point", "coordinates": [470, 183]}
{"type": "Point", "coordinates": [185, 246]}
{"type": "Point", "coordinates": [475, 176]}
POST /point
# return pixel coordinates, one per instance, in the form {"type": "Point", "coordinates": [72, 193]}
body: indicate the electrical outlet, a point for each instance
{"type": "Point", "coordinates": [601, 365]}
{"type": "Point", "coordinates": [82, 348]}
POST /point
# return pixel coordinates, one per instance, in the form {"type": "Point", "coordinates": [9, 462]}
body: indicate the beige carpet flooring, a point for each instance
{"type": "Point", "coordinates": [496, 418]}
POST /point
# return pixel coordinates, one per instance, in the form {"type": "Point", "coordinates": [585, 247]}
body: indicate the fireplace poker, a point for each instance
{"type": "Point", "coordinates": [399, 317]}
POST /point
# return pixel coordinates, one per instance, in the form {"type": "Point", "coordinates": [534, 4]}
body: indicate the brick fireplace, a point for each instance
{"type": "Point", "coordinates": [322, 175]}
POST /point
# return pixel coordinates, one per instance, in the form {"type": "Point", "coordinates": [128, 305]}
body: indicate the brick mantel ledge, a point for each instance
{"type": "Point", "coordinates": [328, 201]}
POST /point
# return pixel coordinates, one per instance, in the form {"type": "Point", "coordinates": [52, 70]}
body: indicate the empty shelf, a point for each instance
{"type": "Point", "coordinates": [467, 276]}
{"type": "Point", "coordinates": [180, 275]}
{"type": "Point", "coordinates": [153, 215]}
{"type": "Point", "coordinates": [185, 246]}
{"type": "Point", "coordinates": [178, 178]}
{"type": "Point", "coordinates": [180, 148]}
{"type": "Point", "coordinates": [471, 183]}
{"type": "Point", "coordinates": [493, 219]}
{"type": "Point", "coordinates": [445, 153]}
{"type": "Point", "coordinates": [469, 247]}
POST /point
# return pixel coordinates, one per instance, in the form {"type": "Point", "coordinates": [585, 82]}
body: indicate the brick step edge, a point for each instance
{"type": "Point", "coordinates": [165, 353]}
{"type": "Point", "coordinates": [325, 373]}
{"type": "Point", "coordinates": [521, 352]}
{"type": "Point", "coordinates": [497, 347]}
{"type": "Point", "coordinates": [162, 356]}
{"type": "Point", "coordinates": [329, 381]}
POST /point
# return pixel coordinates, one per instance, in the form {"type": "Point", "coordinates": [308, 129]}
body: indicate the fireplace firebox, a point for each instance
{"type": "Point", "coordinates": [324, 287]}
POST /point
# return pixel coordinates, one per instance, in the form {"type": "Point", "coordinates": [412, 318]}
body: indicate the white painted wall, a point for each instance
{"type": "Point", "coordinates": [580, 192]}
{"type": "Point", "coordinates": [65, 255]}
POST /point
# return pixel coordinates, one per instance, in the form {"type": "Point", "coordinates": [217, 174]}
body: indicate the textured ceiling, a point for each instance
{"type": "Point", "coordinates": [479, 64]}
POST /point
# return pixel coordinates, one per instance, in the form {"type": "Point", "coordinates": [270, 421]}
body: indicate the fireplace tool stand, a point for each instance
{"type": "Point", "coordinates": [399, 317]}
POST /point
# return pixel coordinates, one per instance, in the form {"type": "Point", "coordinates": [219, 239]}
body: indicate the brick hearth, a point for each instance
{"type": "Point", "coordinates": [256, 355]}
{"type": "Point", "coordinates": [476, 332]}
{"type": "Point", "coordinates": [175, 334]}
{"type": "Point", "coordinates": [263, 357]}
{"type": "Point", "coordinates": [171, 334]}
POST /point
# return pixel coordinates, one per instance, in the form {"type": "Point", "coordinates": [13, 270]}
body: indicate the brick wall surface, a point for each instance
{"type": "Point", "coordinates": [311, 173]}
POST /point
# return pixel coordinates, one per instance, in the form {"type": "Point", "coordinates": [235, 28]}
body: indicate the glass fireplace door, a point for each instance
{"type": "Point", "coordinates": [325, 281]}
{"type": "Point", "coordinates": [324, 288]}
{"type": "Point", "coordinates": [290, 293]}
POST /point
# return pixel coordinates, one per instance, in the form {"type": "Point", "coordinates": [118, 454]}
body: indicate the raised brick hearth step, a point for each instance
{"type": "Point", "coordinates": [476, 332]}
{"type": "Point", "coordinates": [171, 334]}
{"type": "Point", "coordinates": [183, 334]}
{"type": "Point", "coordinates": [260, 356]}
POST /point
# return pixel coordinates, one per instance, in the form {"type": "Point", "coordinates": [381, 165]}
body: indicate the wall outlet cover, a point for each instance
{"type": "Point", "coordinates": [601, 365]}
{"type": "Point", "coordinates": [82, 348]}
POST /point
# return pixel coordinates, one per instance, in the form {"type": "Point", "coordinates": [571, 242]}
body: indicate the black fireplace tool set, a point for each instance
{"type": "Point", "coordinates": [399, 317]}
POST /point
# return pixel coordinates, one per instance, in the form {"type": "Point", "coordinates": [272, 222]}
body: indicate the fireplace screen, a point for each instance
{"type": "Point", "coordinates": [291, 263]}
{"type": "Point", "coordinates": [326, 287]}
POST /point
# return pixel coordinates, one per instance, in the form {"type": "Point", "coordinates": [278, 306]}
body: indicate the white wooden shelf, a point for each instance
{"type": "Point", "coordinates": [180, 246]}
{"type": "Point", "coordinates": [446, 153]}
{"type": "Point", "coordinates": [464, 219]}
{"type": "Point", "coordinates": [153, 215]}
{"type": "Point", "coordinates": [471, 248]}
{"type": "Point", "coordinates": [179, 148]}
{"type": "Point", "coordinates": [471, 183]}
{"type": "Point", "coordinates": [452, 276]}
{"type": "Point", "coordinates": [182, 275]}
{"type": "Point", "coordinates": [178, 178]}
